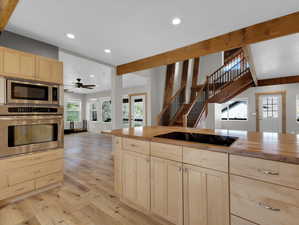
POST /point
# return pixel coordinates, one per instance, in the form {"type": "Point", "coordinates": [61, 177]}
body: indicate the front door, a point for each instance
{"type": "Point", "coordinates": [270, 109]}
{"type": "Point", "coordinates": [137, 110]}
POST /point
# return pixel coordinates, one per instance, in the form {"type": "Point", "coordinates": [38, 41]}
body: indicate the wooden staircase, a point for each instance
{"type": "Point", "coordinates": [227, 82]}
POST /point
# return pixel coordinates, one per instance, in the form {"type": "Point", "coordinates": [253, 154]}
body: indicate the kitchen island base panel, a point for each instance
{"type": "Point", "coordinates": [245, 184]}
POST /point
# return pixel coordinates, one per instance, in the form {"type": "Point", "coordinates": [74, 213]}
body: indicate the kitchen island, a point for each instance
{"type": "Point", "coordinates": [253, 181]}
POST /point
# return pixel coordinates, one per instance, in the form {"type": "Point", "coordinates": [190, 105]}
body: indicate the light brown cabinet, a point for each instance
{"type": "Point", "coordinates": [3, 180]}
{"type": "Point", "coordinates": [117, 149]}
{"type": "Point", "coordinates": [18, 64]}
{"type": "Point", "coordinates": [167, 190]}
{"type": "Point", "coordinates": [264, 203]}
{"type": "Point", "coordinates": [239, 221]}
{"type": "Point", "coordinates": [206, 196]}
{"type": "Point", "coordinates": [1, 59]}
{"type": "Point", "coordinates": [136, 179]}
{"type": "Point", "coordinates": [265, 170]}
{"type": "Point", "coordinates": [49, 70]}
{"type": "Point", "coordinates": [26, 173]}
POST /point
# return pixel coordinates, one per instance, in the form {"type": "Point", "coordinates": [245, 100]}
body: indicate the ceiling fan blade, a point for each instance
{"type": "Point", "coordinates": [90, 86]}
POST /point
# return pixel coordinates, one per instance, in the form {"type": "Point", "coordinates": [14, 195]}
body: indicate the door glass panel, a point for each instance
{"type": "Point", "coordinates": [138, 111]}
{"type": "Point", "coordinates": [32, 134]}
{"type": "Point", "coordinates": [29, 92]}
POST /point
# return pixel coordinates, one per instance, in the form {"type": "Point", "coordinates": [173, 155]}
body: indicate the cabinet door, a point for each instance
{"type": "Point", "coordinates": [117, 172]}
{"type": "Point", "coordinates": [11, 61]}
{"type": "Point", "coordinates": [3, 181]}
{"type": "Point", "coordinates": [206, 200]}
{"type": "Point", "coordinates": [1, 59]}
{"type": "Point", "coordinates": [136, 179]}
{"type": "Point", "coordinates": [18, 64]}
{"type": "Point", "coordinates": [57, 72]}
{"type": "Point", "coordinates": [44, 69]}
{"type": "Point", "coordinates": [27, 65]}
{"type": "Point", "coordinates": [167, 190]}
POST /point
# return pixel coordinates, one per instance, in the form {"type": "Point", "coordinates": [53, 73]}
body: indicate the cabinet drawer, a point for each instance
{"type": "Point", "coordinates": [264, 203]}
{"type": "Point", "coordinates": [3, 181]}
{"type": "Point", "coordinates": [31, 159]}
{"type": "Point", "coordinates": [134, 145]}
{"type": "Point", "coordinates": [48, 180]}
{"type": "Point", "coordinates": [239, 221]}
{"type": "Point", "coordinates": [50, 167]}
{"type": "Point", "coordinates": [165, 151]}
{"type": "Point", "coordinates": [16, 190]}
{"type": "Point", "coordinates": [207, 159]}
{"type": "Point", "coordinates": [265, 170]}
{"type": "Point", "coordinates": [32, 172]}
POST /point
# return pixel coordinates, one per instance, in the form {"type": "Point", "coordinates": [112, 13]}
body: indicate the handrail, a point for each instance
{"type": "Point", "coordinates": [168, 106]}
{"type": "Point", "coordinates": [228, 59]}
{"type": "Point", "coordinates": [231, 58]}
{"type": "Point", "coordinates": [195, 99]}
{"type": "Point", "coordinates": [230, 71]}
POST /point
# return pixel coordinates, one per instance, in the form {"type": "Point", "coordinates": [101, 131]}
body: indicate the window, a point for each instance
{"type": "Point", "coordinates": [297, 108]}
{"type": "Point", "coordinates": [235, 110]}
{"type": "Point", "coordinates": [106, 109]}
{"type": "Point", "coordinates": [125, 111]}
{"type": "Point", "coordinates": [73, 110]}
{"type": "Point", "coordinates": [270, 106]}
{"type": "Point", "coordinates": [93, 113]}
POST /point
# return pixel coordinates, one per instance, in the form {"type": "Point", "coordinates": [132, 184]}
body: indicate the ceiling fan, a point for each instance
{"type": "Point", "coordinates": [79, 84]}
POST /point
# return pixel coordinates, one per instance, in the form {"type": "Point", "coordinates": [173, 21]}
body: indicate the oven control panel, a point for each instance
{"type": "Point", "coordinates": [10, 110]}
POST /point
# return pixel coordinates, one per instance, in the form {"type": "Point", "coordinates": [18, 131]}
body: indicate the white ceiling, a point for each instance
{"type": "Point", "coordinates": [78, 67]}
{"type": "Point", "coordinates": [134, 29]}
{"type": "Point", "coordinates": [277, 57]}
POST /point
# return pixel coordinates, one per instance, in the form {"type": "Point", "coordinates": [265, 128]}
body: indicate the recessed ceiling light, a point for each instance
{"type": "Point", "coordinates": [91, 75]}
{"type": "Point", "coordinates": [70, 36]}
{"type": "Point", "coordinates": [176, 21]}
{"type": "Point", "coordinates": [107, 51]}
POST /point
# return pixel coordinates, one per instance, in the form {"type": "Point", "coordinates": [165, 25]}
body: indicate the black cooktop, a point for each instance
{"type": "Point", "coordinates": [200, 138]}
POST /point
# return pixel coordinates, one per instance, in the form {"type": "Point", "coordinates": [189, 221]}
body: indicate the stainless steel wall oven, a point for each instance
{"type": "Point", "coordinates": [29, 129]}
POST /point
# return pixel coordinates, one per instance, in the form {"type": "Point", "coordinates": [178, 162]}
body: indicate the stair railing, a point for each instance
{"type": "Point", "coordinates": [197, 108]}
{"type": "Point", "coordinates": [230, 71]}
{"type": "Point", "coordinates": [170, 110]}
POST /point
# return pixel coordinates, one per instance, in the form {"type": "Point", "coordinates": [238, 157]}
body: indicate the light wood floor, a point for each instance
{"type": "Point", "coordinates": [87, 196]}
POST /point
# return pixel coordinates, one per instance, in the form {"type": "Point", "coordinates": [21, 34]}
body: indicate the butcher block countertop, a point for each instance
{"type": "Point", "coordinates": [270, 146]}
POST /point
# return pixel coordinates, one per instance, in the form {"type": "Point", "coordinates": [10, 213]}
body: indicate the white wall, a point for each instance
{"type": "Point", "coordinates": [291, 91]}
{"type": "Point", "coordinates": [155, 80]}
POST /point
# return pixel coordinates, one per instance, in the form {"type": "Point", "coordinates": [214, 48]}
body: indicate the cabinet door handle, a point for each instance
{"type": "Point", "coordinates": [185, 170]}
{"type": "Point", "coordinates": [268, 172]}
{"type": "Point", "coordinates": [133, 145]}
{"type": "Point", "coordinates": [180, 169]}
{"type": "Point", "coordinates": [265, 206]}
{"type": "Point", "coordinates": [148, 160]}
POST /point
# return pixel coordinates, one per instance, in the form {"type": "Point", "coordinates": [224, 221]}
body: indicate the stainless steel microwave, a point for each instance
{"type": "Point", "coordinates": [23, 92]}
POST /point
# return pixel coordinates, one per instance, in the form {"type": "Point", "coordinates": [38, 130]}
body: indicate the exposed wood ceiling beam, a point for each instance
{"type": "Point", "coordinates": [278, 81]}
{"type": "Point", "coordinates": [260, 32]}
{"type": "Point", "coordinates": [6, 9]}
{"type": "Point", "coordinates": [249, 57]}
